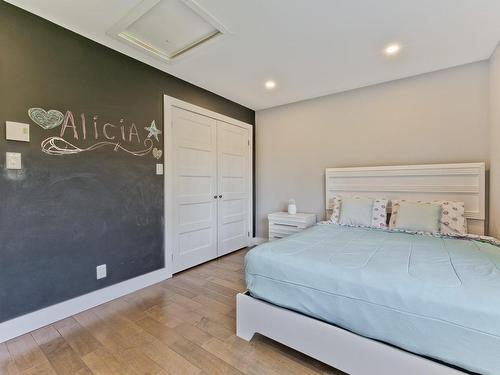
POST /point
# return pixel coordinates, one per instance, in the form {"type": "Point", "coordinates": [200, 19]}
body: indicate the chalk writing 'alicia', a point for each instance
{"type": "Point", "coordinates": [94, 130]}
{"type": "Point", "coordinates": [104, 134]}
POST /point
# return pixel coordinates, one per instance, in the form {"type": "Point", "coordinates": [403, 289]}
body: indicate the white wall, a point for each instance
{"type": "Point", "coordinates": [495, 143]}
{"type": "Point", "coordinates": [440, 117]}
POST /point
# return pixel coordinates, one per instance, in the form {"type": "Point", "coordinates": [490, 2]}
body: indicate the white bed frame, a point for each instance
{"type": "Point", "coordinates": [337, 347]}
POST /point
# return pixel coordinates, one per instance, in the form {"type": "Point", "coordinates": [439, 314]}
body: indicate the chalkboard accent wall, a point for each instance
{"type": "Point", "coordinates": [87, 193]}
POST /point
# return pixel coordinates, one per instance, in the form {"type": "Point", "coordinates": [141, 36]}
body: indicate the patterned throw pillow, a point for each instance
{"type": "Point", "coordinates": [379, 212]}
{"type": "Point", "coordinates": [379, 218]}
{"type": "Point", "coordinates": [336, 202]}
{"type": "Point", "coordinates": [452, 219]}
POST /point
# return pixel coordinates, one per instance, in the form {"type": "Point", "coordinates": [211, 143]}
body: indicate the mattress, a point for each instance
{"type": "Point", "coordinates": [437, 297]}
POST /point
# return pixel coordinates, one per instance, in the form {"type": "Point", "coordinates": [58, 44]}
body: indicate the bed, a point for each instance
{"type": "Point", "coordinates": [371, 301]}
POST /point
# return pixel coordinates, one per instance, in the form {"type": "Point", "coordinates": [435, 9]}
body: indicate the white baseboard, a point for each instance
{"type": "Point", "coordinates": [258, 240]}
{"type": "Point", "coordinates": [40, 318]}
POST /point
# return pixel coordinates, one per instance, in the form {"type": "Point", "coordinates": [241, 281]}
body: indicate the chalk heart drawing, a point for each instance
{"type": "Point", "coordinates": [46, 119]}
{"type": "Point", "coordinates": [157, 153]}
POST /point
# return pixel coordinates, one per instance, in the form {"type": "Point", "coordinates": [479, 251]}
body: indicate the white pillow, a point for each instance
{"type": "Point", "coordinates": [378, 211]}
{"type": "Point", "coordinates": [451, 221]}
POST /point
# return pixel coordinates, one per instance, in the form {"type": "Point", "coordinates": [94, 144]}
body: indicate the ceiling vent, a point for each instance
{"type": "Point", "coordinates": [168, 29]}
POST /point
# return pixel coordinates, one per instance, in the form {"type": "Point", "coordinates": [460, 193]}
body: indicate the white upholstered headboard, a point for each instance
{"type": "Point", "coordinates": [457, 182]}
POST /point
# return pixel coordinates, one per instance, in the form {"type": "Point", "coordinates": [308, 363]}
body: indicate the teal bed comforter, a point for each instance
{"type": "Point", "coordinates": [437, 297]}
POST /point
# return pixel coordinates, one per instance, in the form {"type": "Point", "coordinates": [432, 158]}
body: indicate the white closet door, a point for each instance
{"type": "Point", "coordinates": [233, 181]}
{"type": "Point", "coordinates": [194, 188]}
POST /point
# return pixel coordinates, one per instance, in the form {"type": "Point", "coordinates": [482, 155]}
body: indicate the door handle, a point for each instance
{"type": "Point", "coordinates": [215, 196]}
{"type": "Point", "coordinates": [220, 196]}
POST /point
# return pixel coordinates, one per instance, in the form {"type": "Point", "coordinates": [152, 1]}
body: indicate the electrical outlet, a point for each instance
{"type": "Point", "coordinates": [101, 271]}
{"type": "Point", "coordinates": [12, 160]}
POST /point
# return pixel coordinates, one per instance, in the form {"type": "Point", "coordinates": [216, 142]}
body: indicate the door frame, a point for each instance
{"type": "Point", "coordinates": [169, 103]}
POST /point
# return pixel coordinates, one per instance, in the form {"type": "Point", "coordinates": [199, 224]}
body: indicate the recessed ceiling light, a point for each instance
{"type": "Point", "coordinates": [270, 85]}
{"type": "Point", "coordinates": [392, 49]}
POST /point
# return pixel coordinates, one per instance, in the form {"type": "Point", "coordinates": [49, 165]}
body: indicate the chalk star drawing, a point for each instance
{"type": "Point", "coordinates": [153, 130]}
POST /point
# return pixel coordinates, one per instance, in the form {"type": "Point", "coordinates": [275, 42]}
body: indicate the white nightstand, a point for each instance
{"type": "Point", "coordinates": [282, 224]}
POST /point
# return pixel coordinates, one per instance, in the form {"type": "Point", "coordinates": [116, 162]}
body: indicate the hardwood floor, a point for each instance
{"type": "Point", "coordinates": [185, 325]}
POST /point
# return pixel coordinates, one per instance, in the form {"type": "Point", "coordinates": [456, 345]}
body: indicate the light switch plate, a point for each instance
{"type": "Point", "coordinates": [159, 168]}
{"type": "Point", "coordinates": [17, 131]}
{"type": "Point", "coordinates": [101, 271]}
{"type": "Point", "coordinates": [13, 160]}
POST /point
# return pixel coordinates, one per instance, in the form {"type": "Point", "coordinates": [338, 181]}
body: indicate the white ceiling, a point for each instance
{"type": "Point", "coordinates": [310, 47]}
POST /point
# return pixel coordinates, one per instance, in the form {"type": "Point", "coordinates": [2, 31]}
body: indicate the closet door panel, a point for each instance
{"type": "Point", "coordinates": [195, 185]}
{"type": "Point", "coordinates": [233, 178]}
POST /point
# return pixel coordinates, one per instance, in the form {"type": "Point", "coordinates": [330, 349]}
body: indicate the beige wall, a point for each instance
{"type": "Point", "coordinates": [440, 117]}
{"type": "Point", "coordinates": [495, 143]}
